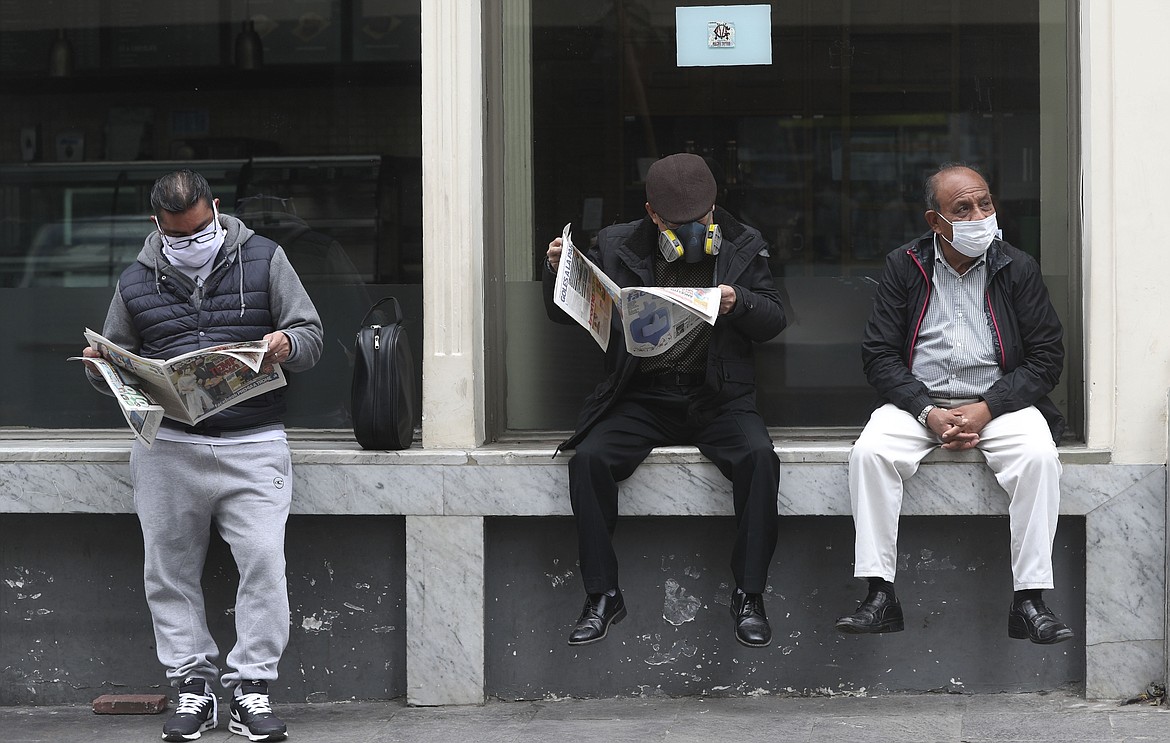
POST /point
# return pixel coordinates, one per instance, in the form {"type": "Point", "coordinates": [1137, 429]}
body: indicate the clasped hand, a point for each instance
{"type": "Point", "coordinates": [959, 427]}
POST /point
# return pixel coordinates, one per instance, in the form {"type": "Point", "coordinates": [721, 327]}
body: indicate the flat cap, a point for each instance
{"type": "Point", "coordinates": [680, 187]}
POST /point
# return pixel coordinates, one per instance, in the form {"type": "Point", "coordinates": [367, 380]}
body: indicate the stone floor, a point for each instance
{"type": "Point", "coordinates": [902, 718]}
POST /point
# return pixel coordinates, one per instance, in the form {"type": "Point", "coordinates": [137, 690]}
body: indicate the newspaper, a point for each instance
{"type": "Point", "coordinates": [187, 388]}
{"type": "Point", "coordinates": [653, 318]}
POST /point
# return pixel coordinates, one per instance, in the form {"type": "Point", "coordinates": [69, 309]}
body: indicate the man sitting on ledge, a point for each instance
{"type": "Point", "coordinates": [964, 345]}
{"type": "Point", "coordinates": [699, 391]}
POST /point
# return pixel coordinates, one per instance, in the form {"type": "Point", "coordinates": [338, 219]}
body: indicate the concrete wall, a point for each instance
{"type": "Point", "coordinates": [74, 622]}
{"type": "Point", "coordinates": [678, 637]}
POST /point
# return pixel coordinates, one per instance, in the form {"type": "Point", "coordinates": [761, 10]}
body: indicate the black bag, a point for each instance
{"type": "Point", "coordinates": [383, 398]}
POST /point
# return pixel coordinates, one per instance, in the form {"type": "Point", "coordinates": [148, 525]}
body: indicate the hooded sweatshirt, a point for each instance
{"type": "Point", "coordinates": [159, 312]}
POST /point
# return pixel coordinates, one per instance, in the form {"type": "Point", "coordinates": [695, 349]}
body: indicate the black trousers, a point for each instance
{"type": "Point", "coordinates": [737, 441]}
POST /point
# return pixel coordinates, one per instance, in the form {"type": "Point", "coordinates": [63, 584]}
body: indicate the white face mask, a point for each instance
{"type": "Point", "coordinates": [195, 250]}
{"type": "Point", "coordinates": [972, 239]}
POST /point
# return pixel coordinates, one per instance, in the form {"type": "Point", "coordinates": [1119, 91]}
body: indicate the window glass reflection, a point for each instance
{"type": "Point", "coordinates": [320, 153]}
{"type": "Point", "coordinates": [824, 152]}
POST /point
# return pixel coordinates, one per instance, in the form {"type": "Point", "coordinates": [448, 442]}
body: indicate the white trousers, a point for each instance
{"type": "Point", "coordinates": [1017, 446]}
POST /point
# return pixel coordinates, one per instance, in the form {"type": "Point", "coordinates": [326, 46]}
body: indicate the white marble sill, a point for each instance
{"type": "Point", "coordinates": [338, 447]}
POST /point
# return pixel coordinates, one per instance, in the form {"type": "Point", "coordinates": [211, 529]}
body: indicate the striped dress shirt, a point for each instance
{"type": "Point", "coordinates": [955, 353]}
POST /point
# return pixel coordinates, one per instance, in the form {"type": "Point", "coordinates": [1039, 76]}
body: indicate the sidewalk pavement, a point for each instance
{"type": "Point", "coordinates": [1056, 716]}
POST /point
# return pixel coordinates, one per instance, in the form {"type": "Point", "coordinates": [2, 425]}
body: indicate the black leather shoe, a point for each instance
{"type": "Point", "coordinates": [751, 623]}
{"type": "Point", "coordinates": [601, 610]}
{"type": "Point", "coordinates": [1030, 619]}
{"type": "Point", "coordinates": [879, 612]}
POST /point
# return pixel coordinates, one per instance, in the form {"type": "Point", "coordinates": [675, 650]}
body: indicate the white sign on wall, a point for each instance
{"type": "Point", "coordinates": [720, 35]}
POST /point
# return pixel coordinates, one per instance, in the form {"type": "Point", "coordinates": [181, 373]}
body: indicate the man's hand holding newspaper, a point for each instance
{"type": "Point", "coordinates": [187, 388]}
{"type": "Point", "coordinates": [653, 318]}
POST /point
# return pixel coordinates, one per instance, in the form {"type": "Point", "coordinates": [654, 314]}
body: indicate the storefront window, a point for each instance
{"type": "Point", "coordinates": [824, 151]}
{"type": "Point", "coordinates": [305, 118]}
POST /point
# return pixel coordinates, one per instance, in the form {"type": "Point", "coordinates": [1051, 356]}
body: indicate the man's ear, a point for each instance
{"type": "Point", "coordinates": [935, 222]}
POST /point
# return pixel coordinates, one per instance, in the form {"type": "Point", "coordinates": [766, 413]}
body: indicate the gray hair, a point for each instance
{"type": "Point", "coordinates": [179, 191]}
{"type": "Point", "coordinates": [930, 187]}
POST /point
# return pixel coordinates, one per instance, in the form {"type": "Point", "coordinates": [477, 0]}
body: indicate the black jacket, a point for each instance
{"type": "Point", "coordinates": [625, 252]}
{"type": "Point", "coordinates": [1027, 332]}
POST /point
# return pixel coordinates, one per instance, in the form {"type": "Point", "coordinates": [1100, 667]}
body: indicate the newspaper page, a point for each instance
{"type": "Point", "coordinates": [199, 384]}
{"type": "Point", "coordinates": [141, 413]}
{"type": "Point", "coordinates": [581, 293]}
{"type": "Point", "coordinates": [653, 318]}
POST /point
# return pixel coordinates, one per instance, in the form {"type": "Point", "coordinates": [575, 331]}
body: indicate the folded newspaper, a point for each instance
{"type": "Point", "coordinates": [653, 318]}
{"type": "Point", "coordinates": [187, 388]}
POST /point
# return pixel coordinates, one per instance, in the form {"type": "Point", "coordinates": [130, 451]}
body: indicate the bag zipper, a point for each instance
{"type": "Point", "coordinates": [377, 380]}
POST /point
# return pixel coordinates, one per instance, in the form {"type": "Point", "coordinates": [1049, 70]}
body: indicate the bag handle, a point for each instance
{"type": "Point", "coordinates": [397, 310]}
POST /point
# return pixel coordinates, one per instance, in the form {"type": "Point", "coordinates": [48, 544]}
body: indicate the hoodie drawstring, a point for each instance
{"type": "Point", "coordinates": [240, 260]}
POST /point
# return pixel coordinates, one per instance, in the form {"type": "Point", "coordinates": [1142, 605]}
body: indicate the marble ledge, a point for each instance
{"type": "Point", "coordinates": [106, 446]}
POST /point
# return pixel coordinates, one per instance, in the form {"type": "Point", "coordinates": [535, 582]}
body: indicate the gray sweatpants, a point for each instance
{"type": "Point", "coordinates": [180, 489]}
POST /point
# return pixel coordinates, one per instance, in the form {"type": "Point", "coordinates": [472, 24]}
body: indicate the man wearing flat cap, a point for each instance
{"type": "Point", "coordinates": [700, 391]}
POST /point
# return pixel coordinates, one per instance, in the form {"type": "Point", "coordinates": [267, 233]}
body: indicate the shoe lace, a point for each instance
{"type": "Point", "coordinates": [256, 704]}
{"type": "Point", "coordinates": [753, 602]}
{"type": "Point", "coordinates": [592, 608]}
{"type": "Point", "coordinates": [192, 704]}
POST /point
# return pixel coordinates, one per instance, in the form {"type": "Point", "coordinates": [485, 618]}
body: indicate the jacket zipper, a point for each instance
{"type": "Point", "coordinates": [922, 312]}
{"type": "Point", "coordinates": [995, 324]}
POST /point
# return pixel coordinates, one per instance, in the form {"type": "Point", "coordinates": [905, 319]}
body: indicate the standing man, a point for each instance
{"type": "Point", "coordinates": [701, 391]}
{"type": "Point", "coordinates": [203, 279]}
{"type": "Point", "coordinates": [963, 345]}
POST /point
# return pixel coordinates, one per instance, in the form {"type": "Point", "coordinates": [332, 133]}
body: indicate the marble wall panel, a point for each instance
{"type": "Point", "coordinates": [444, 610]}
{"type": "Point", "coordinates": [530, 487]}
{"type": "Point", "coordinates": [357, 489]}
{"type": "Point", "coordinates": [61, 487]}
{"type": "Point", "coordinates": [1125, 553]}
{"type": "Point", "coordinates": [1121, 670]}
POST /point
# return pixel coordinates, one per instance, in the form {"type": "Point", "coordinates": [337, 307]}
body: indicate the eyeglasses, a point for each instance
{"type": "Point", "coordinates": [207, 234]}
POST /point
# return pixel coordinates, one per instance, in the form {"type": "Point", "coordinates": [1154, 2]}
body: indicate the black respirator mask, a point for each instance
{"type": "Point", "coordinates": [691, 241]}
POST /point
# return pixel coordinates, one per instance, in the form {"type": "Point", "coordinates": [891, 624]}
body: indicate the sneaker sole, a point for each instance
{"type": "Point", "coordinates": [604, 630]}
{"type": "Point", "coordinates": [179, 737]}
{"type": "Point", "coordinates": [239, 728]}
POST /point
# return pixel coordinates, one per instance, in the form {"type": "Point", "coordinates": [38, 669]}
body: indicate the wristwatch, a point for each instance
{"type": "Point", "coordinates": [925, 414]}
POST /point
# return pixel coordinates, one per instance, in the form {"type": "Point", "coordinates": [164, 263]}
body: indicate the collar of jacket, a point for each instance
{"type": "Point", "coordinates": [923, 251]}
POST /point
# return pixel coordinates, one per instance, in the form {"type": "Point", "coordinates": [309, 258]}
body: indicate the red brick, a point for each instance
{"type": "Point", "coordinates": [130, 704]}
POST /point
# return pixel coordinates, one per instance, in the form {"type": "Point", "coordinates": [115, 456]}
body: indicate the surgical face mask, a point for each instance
{"type": "Point", "coordinates": [195, 250]}
{"type": "Point", "coordinates": [972, 239]}
{"type": "Point", "coordinates": [691, 241]}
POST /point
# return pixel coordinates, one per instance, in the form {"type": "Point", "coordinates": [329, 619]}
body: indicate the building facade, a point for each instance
{"type": "Point", "coordinates": [430, 151]}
